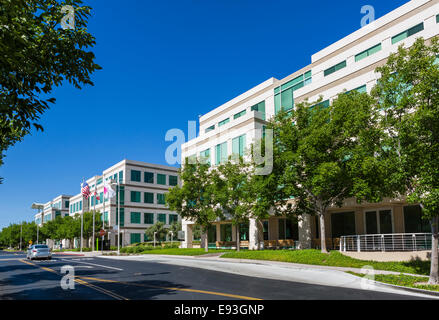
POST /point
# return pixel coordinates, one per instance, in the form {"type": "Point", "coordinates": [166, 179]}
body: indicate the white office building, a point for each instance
{"type": "Point", "coordinates": [348, 64]}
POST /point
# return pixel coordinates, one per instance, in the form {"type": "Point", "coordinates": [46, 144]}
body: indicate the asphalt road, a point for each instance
{"type": "Point", "coordinates": [103, 279]}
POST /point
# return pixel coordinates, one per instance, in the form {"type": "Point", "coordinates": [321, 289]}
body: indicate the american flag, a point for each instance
{"type": "Point", "coordinates": [85, 190]}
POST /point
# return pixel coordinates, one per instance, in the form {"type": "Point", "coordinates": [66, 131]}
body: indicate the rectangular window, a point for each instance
{"type": "Point", "coordinates": [408, 33]}
{"type": "Point", "coordinates": [135, 175]}
{"type": "Point", "coordinates": [265, 229]}
{"type": "Point", "coordinates": [343, 224]}
{"type": "Point", "coordinates": [221, 123]}
{"type": "Point", "coordinates": [135, 237]}
{"type": "Point", "coordinates": [240, 114]}
{"type": "Point", "coordinates": [371, 222]}
{"type": "Point", "coordinates": [80, 205]}
{"type": "Point", "coordinates": [161, 179]}
{"type": "Point", "coordinates": [120, 176]}
{"type": "Point", "coordinates": [260, 107]}
{"type": "Point", "coordinates": [101, 197]}
{"type": "Point", "coordinates": [226, 232]}
{"type": "Point", "coordinates": [368, 52]}
{"type": "Point", "coordinates": [413, 221]}
{"type": "Point", "coordinates": [221, 153]}
{"type": "Point", "coordinates": [149, 177]}
{"type": "Point", "coordinates": [106, 216]}
{"type": "Point", "coordinates": [135, 217]}
{"type": "Point", "coordinates": [173, 180]}
{"type": "Point", "coordinates": [122, 195]}
{"type": "Point", "coordinates": [173, 218]}
{"type": "Point", "coordinates": [205, 157]}
{"type": "Point", "coordinates": [238, 146]}
{"type": "Point", "coordinates": [160, 198]}
{"type": "Point", "coordinates": [335, 68]}
{"type": "Point", "coordinates": [148, 197]}
{"type": "Point", "coordinates": [148, 218]}
{"type": "Point", "coordinates": [437, 18]}
{"type": "Point", "coordinates": [67, 204]}
{"type": "Point", "coordinates": [122, 217]}
{"type": "Point", "coordinates": [161, 217]}
{"type": "Point", "coordinates": [211, 128]}
{"type": "Point", "coordinates": [135, 196]}
{"type": "Point", "coordinates": [386, 221]}
{"type": "Point", "coordinates": [288, 230]}
{"type": "Point", "coordinates": [99, 181]}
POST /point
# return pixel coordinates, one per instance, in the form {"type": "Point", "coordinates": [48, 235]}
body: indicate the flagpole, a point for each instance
{"type": "Point", "coordinates": [82, 226]}
{"type": "Point", "coordinates": [118, 218]}
{"type": "Point", "coordinates": [103, 219]}
{"type": "Point", "coordinates": [94, 212]}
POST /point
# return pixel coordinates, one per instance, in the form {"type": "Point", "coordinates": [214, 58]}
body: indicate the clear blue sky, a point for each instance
{"type": "Point", "coordinates": [164, 63]}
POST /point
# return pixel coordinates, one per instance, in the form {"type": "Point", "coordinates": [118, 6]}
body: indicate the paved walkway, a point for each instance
{"type": "Point", "coordinates": [389, 256]}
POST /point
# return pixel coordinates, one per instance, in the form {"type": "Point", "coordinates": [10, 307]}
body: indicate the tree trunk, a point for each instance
{"type": "Point", "coordinates": [237, 238]}
{"type": "Point", "coordinates": [206, 240]}
{"type": "Point", "coordinates": [322, 232]}
{"type": "Point", "coordinates": [434, 277]}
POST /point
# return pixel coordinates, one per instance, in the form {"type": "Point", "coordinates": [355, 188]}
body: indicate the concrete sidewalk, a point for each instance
{"type": "Point", "coordinates": [83, 254]}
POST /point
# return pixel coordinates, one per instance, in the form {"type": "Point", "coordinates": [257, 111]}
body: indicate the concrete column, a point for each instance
{"type": "Point", "coordinates": [203, 240]}
{"type": "Point", "coordinates": [218, 232]}
{"type": "Point", "coordinates": [233, 232]}
{"type": "Point", "coordinates": [187, 228]}
{"type": "Point", "coordinates": [305, 232]}
{"type": "Point", "coordinates": [254, 241]}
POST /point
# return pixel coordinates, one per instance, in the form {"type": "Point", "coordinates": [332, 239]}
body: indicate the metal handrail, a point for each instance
{"type": "Point", "coordinates": [386, 242]}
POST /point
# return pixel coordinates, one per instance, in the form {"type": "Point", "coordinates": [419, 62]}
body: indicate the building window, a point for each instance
{"type": "Point", "coordinates": [221, 153]}
{"type": "Point", "coordinates": [437, 18]}
{"type": "Point", "coordinates": [225, 121]}
{"type": "Point", "coordinates": [379, 222]}
{"type": "Point", "coordinates": [67, 204]}
{"type": "Point", "coordinates": [238, 145]}
{"type": "Point", "coordinates": [335, 68]}
{"type": "Point", "coordinates": [122, 195]}
{"type": "Point", "coordinates": [408, 33]}
{"type": "Point", "coordinates": [211, 234]}
{"type": "Point", "coordinates": [135, 196]}
{"type": "Point", "coordinates": [135, 217]}
{"type": "Point", "coordinates": [122, 217]}
{"type": "Point", "coordinates": [343, 224]}
{"type": "Point", "coordinates": [173, 180]}
{"type": "Point", "coordinates": [413, 222]}
{"type": "Point", "coordinates": [244, 231]}
{"type": "Point", "coordinates": [265, 229]}
{"type": "Point", "coordinates": [288, 229]}
{"type": "Point", "coordinates": [80, 205]}
{"type": "Point", "coordinates": [240, 114]}
{"type": "Point", "coordinates": [120, 176]}
{"type": "Point", "coordinates": [211, 128]}
{"type": "Point", "coordinates": [160, 198]}
{"type": "Point", "coordinates": [101, 197]}
{"type": "Point", "coordinates": [135, 175]}
{"type": "Point", "coordinates": [148, 197]}
{"type": "Point", "coordinates": [106, 216]}
{"type": "Point", "coordinates": [260, 107]}
{"type": "Point", "coordinates": [161, 179]}
{"type": "Point", "coordinates": [173, 218]}
{"type": "Point", "coordinates": [149, 177]}
{"type": "Point", "coordinates": [135, 237]}
{"type": "Point", "coordinates": [205, 157]}
{"type": "Point", "coordinates": [148, 218]}
{"type": "Point", "coordinates": [324, 104]}
{"type": "Point", "coordinates": [161, 217]}
{"type": "Point", "coordinates": [368, 52]}
{"type": "Point", "coordinates": [226, 232]}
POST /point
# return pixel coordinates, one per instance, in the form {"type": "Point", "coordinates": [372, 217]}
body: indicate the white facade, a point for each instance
{"type": "Point", "coordinates": [355, 70]}
{"type": "Point", "coordinates": [59, 206]}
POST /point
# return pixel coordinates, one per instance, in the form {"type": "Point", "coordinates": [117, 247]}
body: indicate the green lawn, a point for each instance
{"type": "Point", "coordinates": [334, 258]}
{"type": "Point", "coordinates": [401, 280]}
{"type": "Point", "coordinates": [171, 251]}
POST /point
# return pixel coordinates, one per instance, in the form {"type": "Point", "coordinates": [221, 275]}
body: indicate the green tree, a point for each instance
{"type": "Point", "coordinates": [408, 96]}
{"type": "Point", "coordinates": [231, 182]}
{"type": "Point", "coordinates": [38, 55]}
{"type": "Point", "coordinates": [319, 155]}
{"type": "Point", "coordinates": [159, 230]}
{"type": "Point", "coordinates": [175, 227]}
{"type": "Point", "coordinates": [194, 199]}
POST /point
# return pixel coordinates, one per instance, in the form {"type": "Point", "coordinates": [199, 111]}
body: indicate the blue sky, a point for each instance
{"type": "Point", "coordinates": [164, 63]}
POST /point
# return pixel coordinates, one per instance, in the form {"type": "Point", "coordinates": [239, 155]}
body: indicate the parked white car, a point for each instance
{"type": "Point", "coordinates": [39, 251]}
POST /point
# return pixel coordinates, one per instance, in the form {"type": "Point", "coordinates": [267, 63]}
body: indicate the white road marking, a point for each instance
{"type": "Point", "coordinates": [94, 264]}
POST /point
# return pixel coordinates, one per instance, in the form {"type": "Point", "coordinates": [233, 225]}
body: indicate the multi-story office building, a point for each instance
{"type": "Point", "coordinates": [142, 199]}
{"type": "Point", "coordinates": [348, 64]}
{"type": "Point", "coordinates": [59, 206]}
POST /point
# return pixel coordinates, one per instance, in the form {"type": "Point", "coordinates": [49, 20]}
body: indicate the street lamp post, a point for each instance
{"type": "Point", "coordinates": [155, 232]}
{"type": "Point", "coordinates": [116, 183]}
{"type": "Point", "coordinates": [21, 233]}
{"type": "Point", "coordinates": [39, 207]}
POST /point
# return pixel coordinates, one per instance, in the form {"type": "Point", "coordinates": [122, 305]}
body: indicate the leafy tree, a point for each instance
{"type": "Point", "coordinates": [407, 94]}
{"type": "Point", "coordinates": [159, 229]}
{"type": "Point", "coordinates": [231, 182]}
{"type": "Point", "coordinates": [194, 199]}
{"type": "Point", "coordinates": [38, 55]}
{"type": "Point", "coordinates": [175, 227]}
{"type": "Point", "coordinates": [320, 155]}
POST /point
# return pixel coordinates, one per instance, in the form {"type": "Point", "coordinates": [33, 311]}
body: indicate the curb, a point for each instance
{"type": "Point", "coordinates": [423, 291]}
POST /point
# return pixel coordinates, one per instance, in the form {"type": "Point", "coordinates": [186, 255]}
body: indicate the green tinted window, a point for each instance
{"type": "Point", "coordinates": [148, 197]}
{"type": "Point", "coordinates": [335, 68]}
{"type": "Point", "coordinates": [210, 129]}
{"type": "Point", "coordinates": [238, 145]}
{"type": "Point", "coordinates": [368, 52]}
{"type": "Point", "coordinates": [161, 179]}
{"type": "Point", "coordinates": [122, 217]}
{"type": "Point", "coordinates": [160, 198]}
{"type": "Point", "coordinates": [135, 175]}
{"type": "Point", "coordinates": [173, 218]}
{"type": "Point", "coordinates": [221, 123]}
{"type": "Point", "coordinates": [239, 114]}
{"type": "Point", "coordinates": [135, 196]}
{"type": "Point", "coordinates": [120, 176]}
{"type": "Point", "coordinates": [148, 218]}
{"type": "Point", "coordinates": [260, 107]}
{"type": "Point", "coordinates": [403, 35]}
{"type": "Point", "coordinates": [149, 177]}
{"type": "Point", "coordinates": [437, 18]}
{"type": "Point", "coordinates": [135, 237]}
{"type": "Point", "coordinates": [173, 180]}
{"type": "Point", "coordinates": [161, 217]}
{"type": "Point", "coordinates": [135, 217]}
{"type": "Point", "coordinates": [205, 156]}
{"type": "Point", "coordinates": [221, 153]}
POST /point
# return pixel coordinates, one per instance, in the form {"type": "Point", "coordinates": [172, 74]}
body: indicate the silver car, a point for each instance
{"type": "Point", "coordinates": [39, 251]}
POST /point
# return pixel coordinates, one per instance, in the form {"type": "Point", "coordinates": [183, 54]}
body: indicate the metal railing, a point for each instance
{"type": "Point", "coordinates": [386, 242]}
